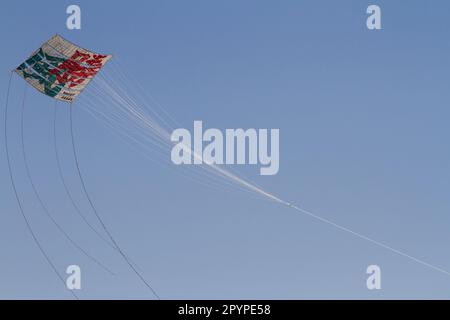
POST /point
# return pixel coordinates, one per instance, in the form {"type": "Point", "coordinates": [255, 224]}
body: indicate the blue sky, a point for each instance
{"type": "Point", "coordinates": [363, 119]}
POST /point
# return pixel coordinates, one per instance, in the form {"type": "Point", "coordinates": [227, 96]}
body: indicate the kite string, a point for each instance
{"type": "Point", "coordinates": [209, 180]}
{"type": "Point", "coordinates": [19, 203]}
{"type": "Point", "coordinates": [38, 196]}
{"type": "Point", "coordinates": [66, 187]}
{"type": "Point", "coordinates": [373, 241]}
{"type": "Point", "coordinates": [117, 66]}
{"type": "Point", "coordinates": [252, 186]}
{"type": "Point", "coordinates": [69, 193]}
{"type": "Point", "coordinates": [143, 121]}
{"type": "Point", "coordinates": [97, 214]}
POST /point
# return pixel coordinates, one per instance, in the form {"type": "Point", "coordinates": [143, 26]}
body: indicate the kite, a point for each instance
{"type": "Point", "coordinates": [60, 69]}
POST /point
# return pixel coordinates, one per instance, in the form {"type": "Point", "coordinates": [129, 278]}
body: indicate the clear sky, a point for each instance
{"type": "Point", "coordinates": [363, 118]}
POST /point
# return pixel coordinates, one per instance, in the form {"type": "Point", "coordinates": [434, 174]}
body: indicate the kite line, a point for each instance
{"type": "Point", "coordinates": [19, 202]}
{"type": "Point", "coordinates": [127, 260]}
{"type": "Point", "coordinates": [39, 198]}
{"type": "Point", "coordinates": [66, 188]}
{"type": "Point", "coordinates": [144, 121]}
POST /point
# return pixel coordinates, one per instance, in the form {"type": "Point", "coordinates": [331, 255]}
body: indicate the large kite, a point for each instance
{"type": "Point", "coordinates": [61, 69]}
